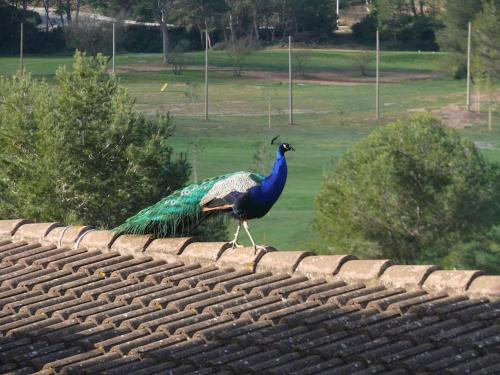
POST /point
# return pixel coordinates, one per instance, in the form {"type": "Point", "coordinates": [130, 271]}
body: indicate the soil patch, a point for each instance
{"type": "Point", "coordinates": [457, 117]}
{"type": "Point", "coordinates": [345, 78]}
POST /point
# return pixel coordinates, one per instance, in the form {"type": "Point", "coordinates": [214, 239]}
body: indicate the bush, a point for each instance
{"type": "Point", "coordinates": [364, 31]}
{"type": "Point", "coordinates": [147, 39]}
{"type": "Point", "coordinates": [405, 188]}
{"type": "Point", "coordinates": [79, 153]}
{"type": "Point", "coordinates": [177, 57]}
{"type": "Point", "coordinates": [237, 54]}
{"type": "Point", "coordinates": [405, 32]}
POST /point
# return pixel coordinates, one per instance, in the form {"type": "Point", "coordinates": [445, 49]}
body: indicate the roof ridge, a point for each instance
{"type": "Point", "coordinates": [429, 278]}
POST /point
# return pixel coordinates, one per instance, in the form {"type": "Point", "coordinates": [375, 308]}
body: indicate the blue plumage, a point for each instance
{"type": "Point", "coordinates": [243, 195]}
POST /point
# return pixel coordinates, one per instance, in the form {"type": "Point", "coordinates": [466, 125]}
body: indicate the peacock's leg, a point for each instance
{"type": "Point", "coordinates": [234, 243]}
{"type": "Point", "coordinates": [255, 247]}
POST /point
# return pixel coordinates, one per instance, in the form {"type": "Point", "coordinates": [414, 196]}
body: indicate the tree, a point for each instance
{"type": "Point", "coordinates": [404, 189]}
{"type": "Point", "coordinates": [162, 13]}
{"type": "Point", "coordinates": [200, 14]}
{"type": "Point", "coordinates": [79, 153]}
{"type": "Point", "coordinates": [237, 54]}
{"type": "Point", "coordinates": [404, 23]}
{"type": "Point", "coordinates": [362, 61]}
{"type": "Point", "coordinates": [456, 16]}
{"type": "Point", "coordinates": [302, 58]}
{"type": "Point", "coordinates": [487, 37]}
{"type": "Point", "coordinates": [90, 36]}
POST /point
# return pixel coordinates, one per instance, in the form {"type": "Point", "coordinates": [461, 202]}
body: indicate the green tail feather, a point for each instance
{"type": "Point", "coordinates": [177, 213]}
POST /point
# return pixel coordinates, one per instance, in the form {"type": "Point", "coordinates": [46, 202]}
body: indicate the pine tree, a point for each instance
{"type": "Point", "coordinates": [79, 152]}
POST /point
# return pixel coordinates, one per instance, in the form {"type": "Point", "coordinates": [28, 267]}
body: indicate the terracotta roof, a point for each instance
{"type": "Point", "coordinates": [76, 300]}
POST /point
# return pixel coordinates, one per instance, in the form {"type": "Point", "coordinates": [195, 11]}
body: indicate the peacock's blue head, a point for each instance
{"type": "Point", "coordinates": [283, 147]}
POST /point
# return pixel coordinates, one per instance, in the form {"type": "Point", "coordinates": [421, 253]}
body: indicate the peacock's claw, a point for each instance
{"type": "Point", "coordinates": [258, 248]}
{"type": "Point", "coordinates": [235, 245]}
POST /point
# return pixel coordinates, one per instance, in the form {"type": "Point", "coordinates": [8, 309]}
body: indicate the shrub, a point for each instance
{"type": "Point", "coordinates": [80, 153]}
{"type": "Point", "coordinates": [237, 54]}
{"type": "Point", "coordinates": [403, 189]}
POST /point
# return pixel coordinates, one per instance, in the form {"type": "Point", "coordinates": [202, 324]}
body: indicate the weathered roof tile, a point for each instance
{"type": "Point", "coordinates": [136, 304]}
{"type": "Point", "coordinates": [322, 266]}
{"type": "Point", "coordinates": [34, 232]}
{"type": "Point", "coordinates": [205, 253]}
{"type": "Point", "coordinates": [355, 271]}
{"type": "Point", "coordinates": [244, 258]}
{"type": "Point", "coordinates": [9, 227]}
{"type": "Point", "coordinates": [409, 277]}
{"type": "Point", "coordinates": [167, 248]}
{"type": "Point", "coordinates": [132, 245]}
{"type": "Point", "coordinates": [485, 286]}
{"type": "Point", "coordinates": [281, 261]}
{"type": "Point", "coordinates": [65, 236]}
{"type": "Point", "coordinates": [450, 281]}
{"type": "Point", "coordinates": [96, 240]}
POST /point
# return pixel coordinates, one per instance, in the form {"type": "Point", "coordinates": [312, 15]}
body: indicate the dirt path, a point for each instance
{"type": "Point", "coordinates": [346, 78]}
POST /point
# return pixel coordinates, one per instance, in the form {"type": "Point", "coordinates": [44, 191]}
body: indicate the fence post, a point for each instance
{"type": "Point", "coordinates": [114, 48]}
{"type": "Point", "coordinates": [21, 49]}
{"type": "Point", "coordinates": [290, 99]}
{"type": "Point", "coordinates": [206, 74]}
{"type": "Point", "coordinates": [468, 66]}
{"type": "Point", "coordinates": [377, 79]}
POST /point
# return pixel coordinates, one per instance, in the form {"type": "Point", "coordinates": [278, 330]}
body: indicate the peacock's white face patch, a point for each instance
{"type": "Point", "coordinates": [239, 182]}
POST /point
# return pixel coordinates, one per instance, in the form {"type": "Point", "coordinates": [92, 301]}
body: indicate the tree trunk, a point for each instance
{"type": "Point", "coordinates": [231, 27]}
{"type": "Point", "coordinates": [478, 97]}
{"type": "Point", "coordinates": [46, 7]}
{"type": "Point", "coordinates": [165, 40]}
{"type": "Point", "coordinates": [256, 28]}
{"type": "Point", "coordinates": [413, 7]}
{"type": "Point", "coordinates": [68, 11]}
{"type": "Point", "coordinates": [421, 5]}
{"type": "Point", "coordinates": [77, 12]}
{"type": "Point", "coordinates": [24, 11]}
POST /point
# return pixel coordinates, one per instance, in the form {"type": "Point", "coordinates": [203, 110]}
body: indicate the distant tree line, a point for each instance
{"type": "Point", "coordinates": [403, 24]}
{"type": "Point", "coordinates": [427, 25]}
{"type": "Point", "coordinates": [225, 20]}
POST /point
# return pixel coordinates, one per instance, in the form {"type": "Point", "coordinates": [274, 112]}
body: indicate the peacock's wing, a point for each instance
{"type": "Point", "coordinates": [182, 209]}
{"type": "Point", "coordinates": [224, 193]}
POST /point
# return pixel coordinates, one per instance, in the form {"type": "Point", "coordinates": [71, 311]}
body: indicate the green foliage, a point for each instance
{"type": "Point", "coordinates": [401, 26]}
{"type": "Point", "coordinates": [487, 37]}
{"type": "Point", "coordinates": [453, 38]}
{"type": "Point", "coordinates": [35, 40]}
{"type": "Point", "coordinates": [79, 153]}
{"type": "Point", "coordinates": [479, 250]}
{"type": "Point", "coordinates": [237, 54]}
{"type": "Point", "coordinates": [91, 36]}
{"type": "Point", "coordinates": [405, 188]}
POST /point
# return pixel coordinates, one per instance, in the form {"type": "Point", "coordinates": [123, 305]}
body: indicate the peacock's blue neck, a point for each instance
{"type": "Point", "coordinates": [272, 186]}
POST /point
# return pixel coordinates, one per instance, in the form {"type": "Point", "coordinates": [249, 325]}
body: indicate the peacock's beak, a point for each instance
{"type": "Point", "coordinates": [292, 149]}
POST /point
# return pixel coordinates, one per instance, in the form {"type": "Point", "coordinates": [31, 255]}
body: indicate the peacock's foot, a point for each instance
{"type": "Point", "coordinates": [258, 248]}
{"type": "Point", "coordinates": [235, 244]}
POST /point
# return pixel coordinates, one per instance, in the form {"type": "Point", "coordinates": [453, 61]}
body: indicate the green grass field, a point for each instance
{"type": "Point", "coordinates": [334, 107]}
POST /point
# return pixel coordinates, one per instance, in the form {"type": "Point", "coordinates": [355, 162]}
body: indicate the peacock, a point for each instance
{"type": "Point", "coordinates": [242, 195]}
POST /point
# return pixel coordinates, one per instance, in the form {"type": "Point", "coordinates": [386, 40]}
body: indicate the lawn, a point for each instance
{"type": "Point", "coordinates": [329, 115]}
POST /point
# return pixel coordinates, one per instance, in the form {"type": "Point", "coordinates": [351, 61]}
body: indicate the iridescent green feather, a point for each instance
{"type": "Point", "coordinates": [178, 212]}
